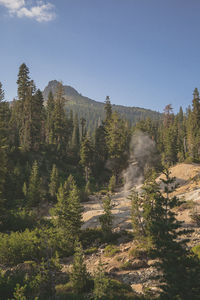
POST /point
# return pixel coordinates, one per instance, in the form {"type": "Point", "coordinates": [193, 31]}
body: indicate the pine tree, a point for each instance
{"type": "Point", "coordinates": [193, 127]}
{"type": "Point", "coordinates": [108, 110]}
{"type": "Point", "coordinates": [112, 184]}
{"type": "Point", "coordinates": [79, 276]}
{"type": "Point", "coordinates": [68, 210]}
{"type": "Point", "coordinates": [60, 136]}
{"type": "Point", "coordinates": [4, 112]}
{"type": "Point", "coordinates": [75, 140]}
{"type": "Point", "coordinates": [86, 155]}
{"type": "Point", "coordinates": [54, 182]}
{"type": "Point", "coordinates": [107, 218]}
{"type": "Point", "coordinates": [180, 271]}
{"type": "Point", "coordinates": [23, 82]}
{"type": "Point", "coordinates": [100, 151]}
{"type": "Point", "coordinates": [34, 191]}
{"type": "Point", "coordinates": [83, 128]}
{"type": "Point", "coordinates": [49, 118]}
{"type": "Point", "coordinates": [117, 141]}
{"type": "Point", "coordinates": [101, 284]}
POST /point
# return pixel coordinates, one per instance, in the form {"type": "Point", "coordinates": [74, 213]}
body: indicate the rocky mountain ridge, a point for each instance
{"type": "Point", "coordinates": [93, 111]}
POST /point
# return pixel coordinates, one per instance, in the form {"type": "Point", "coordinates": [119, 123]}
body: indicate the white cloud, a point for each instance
{"type": "Point", "coordinates": [41, 12]}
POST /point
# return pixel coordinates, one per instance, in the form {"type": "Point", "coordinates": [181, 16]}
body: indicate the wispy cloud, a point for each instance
{"type": "Point", "coordinates": [41, 11]}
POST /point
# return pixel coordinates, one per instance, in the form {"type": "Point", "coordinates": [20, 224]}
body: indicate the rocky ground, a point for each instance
{"type": "Point", "coordinates": [139, 272]}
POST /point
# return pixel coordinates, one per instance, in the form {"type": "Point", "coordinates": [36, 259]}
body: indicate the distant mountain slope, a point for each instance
{"type": "Point", "coordinates": [93, 111]}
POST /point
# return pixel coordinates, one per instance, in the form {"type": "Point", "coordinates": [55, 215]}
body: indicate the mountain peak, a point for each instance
{"type": "Point", "coordinates": [52, 86]}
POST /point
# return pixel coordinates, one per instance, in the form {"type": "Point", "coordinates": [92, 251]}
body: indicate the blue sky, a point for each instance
{"type": "Point", "coordinates": [142, 53]}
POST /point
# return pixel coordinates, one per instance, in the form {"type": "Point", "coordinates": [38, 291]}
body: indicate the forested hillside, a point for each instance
{"type": "Point", "coordinates": [51, 164]}
{"type": "Point", "coordinates": [93, 111]}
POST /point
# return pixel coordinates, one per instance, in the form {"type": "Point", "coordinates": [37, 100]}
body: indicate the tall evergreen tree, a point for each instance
{"type": "Point", "coordinates": [180, 271]}
{"type": "Point", "coordinates": [107, 218]}
{"type": "Point", "coordinates": [108, 110]}
{"type": "Point", "coordinates": [86, 155]}
{"type": "Point", "coordinates": [60, 136]}
{"type": "Point", "coordinates": [34, 187]}
{"type": "Point", "coordinates": [54, 182]}
{"type": "Point", "coordinates": [23, 82]}
{"type": "Point", "coordinates": [75, 140]}
{"type": "Point", "coordinates": [49, 118]}
{"type": "Point", "coordinates": [101, 284]}
{"type": "Point", "coordinates": [193, 127]}
{"type": "Point", "coordinates": [117, 141]}
{"type": "Point", "coordinates": [68, 210]}
{"type": "Point", "coordinates": [79, 276]}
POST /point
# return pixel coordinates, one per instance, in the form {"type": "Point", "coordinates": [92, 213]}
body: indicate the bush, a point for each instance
{"type": "Point", "coordinates": [89, 236]}
{"type": "Point", "coordinates": [126, 265]}
{"type": "Point", "coordinates": [18, 247]}
{"type": "Point", "coordinates": [139, 251]}
{"type": "Point", "coordinates": [111, 250]}
{"type": "Point", "coordinates": [19, 220]}
{"type": "Point", "coordinates": [91, 250]}
{"type": "Point", "coordinates": [196, 250]}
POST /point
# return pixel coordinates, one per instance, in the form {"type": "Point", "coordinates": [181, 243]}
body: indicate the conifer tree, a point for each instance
{"type": "Point", "coordinates": [68, 210]}
{"type": "Point", "coordinates": [49, 118]}
{"type": "Point", "coordinates": [107, 218]}
{"type": "Point", "coordinates": [83, 128]}
{"type": "Point", "coordinates": [180, 271]}
{"type": "Point", "coordinates": [54, 182]}
{"type": "Point", "coordinates": [34, 191]}
{"type": "Point", "coordinates": [117, 141]}
{"type": "Point", "coordinates": [23, 82]}
{"type": "Point", "coordinates": [75, 140]}
{"type": "Point", "coordinates": [60, 137]}
{"type": "Point", "coordinates": [108, 110]}
{"type": "Point", "coordinates": [86, 155]}
{"type": "Point", "coordinates": [79, 276]}
{"type": "Point", "coordinates": [193, 127]}
{"type": "Point", "coordinates": [4, 113]}
{"type": "Point", "coordinates": [112, 184]}
{"type": "Point", "coordinates": [101, 284]}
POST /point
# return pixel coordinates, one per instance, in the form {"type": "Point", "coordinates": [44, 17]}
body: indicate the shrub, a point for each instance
{"type": "Point", "coordinates": [19, 220]}
{"type": "Point", "coordinates": [89, 236]}
{"type": "Point", "coordinates": [196, 250]}
{"type": "Point", "coordinates": [91, 250]}
{"type": "Point", "coordinates": [111, 250]}
{"type": "Point", "coordinates": [139, 251]}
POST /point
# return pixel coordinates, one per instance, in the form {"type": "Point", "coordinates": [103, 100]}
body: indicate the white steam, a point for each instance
{"type": "Point", "coordinates": [142, 156]}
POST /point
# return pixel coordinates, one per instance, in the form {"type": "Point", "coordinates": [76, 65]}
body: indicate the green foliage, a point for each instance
{"type": "Point", "coordinates": [196, 250]}
{"type": "Point", "coordinates": [175, 263]}
{"type": "Point", "coordinates": [19, 293]}
{"type": "Point", "coordinates": [54, 182]}
{"type": "Point", "coordinates": [101, 284]}
{"type": "Point", "coordinates": [67, 213]}
{"type": "Point", "coordinates": [112, 184]}
{"type": "Point", "coordinates": [106, 218]}
{"type": "Point", "coordinates": [34, 191]}
{"type": "Point", "coordinates": [18, 247]}
{"type": "Point", "coordinates": [19, 220]}
{"type": "Point", "coordinates": [86, 155]}
{"type": "Point", "coordinates": [91, 250]}
{"type": "Point", "coordinates": [111, 250]}
{"type": "Point", "coordinates": [79, 277]}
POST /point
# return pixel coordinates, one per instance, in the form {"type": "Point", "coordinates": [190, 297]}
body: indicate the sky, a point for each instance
{"type": "Point", "coordinates": [143, 53]}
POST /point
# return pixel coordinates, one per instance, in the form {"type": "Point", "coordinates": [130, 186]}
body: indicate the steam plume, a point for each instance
{"type": "Point", "coordinates": [142, 155]}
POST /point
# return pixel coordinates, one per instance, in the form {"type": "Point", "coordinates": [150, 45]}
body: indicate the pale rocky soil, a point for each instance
{"type": "Point", "coordinates": [141, 271]}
